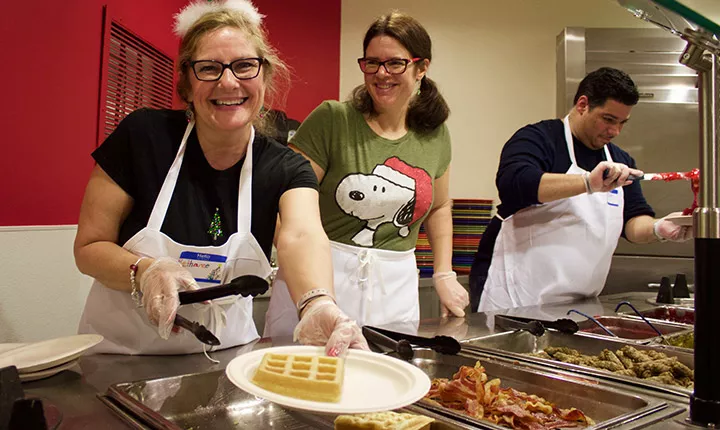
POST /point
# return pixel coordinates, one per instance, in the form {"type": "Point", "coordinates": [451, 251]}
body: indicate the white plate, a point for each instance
{"type": "Point", "coordinates": [680, 219]}
{"type": "Point", "coordinates": [372, 382]}
{"type": "Point", "coordinates": [49, 353]}
{"type": "Point", "coordinates": [5, 347]}
{"type": "Point", "coordinates": [34, 376]}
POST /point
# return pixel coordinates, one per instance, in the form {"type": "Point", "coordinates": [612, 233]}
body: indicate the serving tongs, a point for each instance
{"type": "Point", "coordinates": [664, 340]}
{"type": "Point", "coordinates": [442, 344]}
{"type": "Point", "coordinates": [245, 285]}
{"type": "Point", "coordinates": [536, 327]}
{"type": "Point", "coordinates": [380, 343]}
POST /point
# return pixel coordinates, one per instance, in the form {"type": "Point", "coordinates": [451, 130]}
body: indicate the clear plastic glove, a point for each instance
{"type": "Point", "coordinates": [323, 323]}
{"type": "Point", "coordinates": [668, 230]}
{"type": "Point", "coordinates": [454, 297]}
{"type": "Point", "coordinates": [617, 176]}
{"type": "Point", "coordinates": [160, 285]}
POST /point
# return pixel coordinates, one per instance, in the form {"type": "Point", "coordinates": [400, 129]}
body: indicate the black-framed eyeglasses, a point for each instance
{"type": "Point", "coordinates": [394, 66]}
{"type": "Point", "coordinates": [211, 70]}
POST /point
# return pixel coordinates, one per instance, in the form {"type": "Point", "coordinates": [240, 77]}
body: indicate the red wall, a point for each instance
{"type": "Point", "coordinates": [51, 74]}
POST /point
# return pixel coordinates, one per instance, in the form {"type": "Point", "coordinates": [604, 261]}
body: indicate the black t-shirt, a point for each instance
{"type": "Point", "coordinates": [537, 149]}
{"type": "Point", "coordinates": [138, 156]}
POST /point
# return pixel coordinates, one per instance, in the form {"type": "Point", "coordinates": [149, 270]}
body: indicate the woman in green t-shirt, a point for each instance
{"type": "Point", "coordinates": [382, 161]}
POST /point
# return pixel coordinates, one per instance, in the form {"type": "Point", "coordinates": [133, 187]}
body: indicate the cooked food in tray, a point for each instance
{"type": "Point", "coordinates": [685, 340]}
{"type": "Point", "coordinates": [383, 421]}
{"type": "Point", "coordinates": [304, 377]}
{"type": "Point", "coordinates": [469, 391]}
{"type": "Point", "coordinates": [650, 365]}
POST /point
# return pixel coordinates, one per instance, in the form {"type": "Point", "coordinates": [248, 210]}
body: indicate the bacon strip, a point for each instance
{"type": "Point", "coordinates": [470, 392]}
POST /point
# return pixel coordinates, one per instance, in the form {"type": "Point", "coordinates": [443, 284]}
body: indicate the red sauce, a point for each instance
{"type": "Point", "coordinates": [693, 176]}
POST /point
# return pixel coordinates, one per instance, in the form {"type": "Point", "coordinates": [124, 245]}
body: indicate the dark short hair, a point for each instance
{"type": "Point", "coordinates": [427, 111]}
{"type": "Point", "coordinates": [607, 83]}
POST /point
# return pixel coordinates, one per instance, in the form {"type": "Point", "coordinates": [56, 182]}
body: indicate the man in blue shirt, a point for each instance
{"type": "Point", "coordinates": [567, 196]}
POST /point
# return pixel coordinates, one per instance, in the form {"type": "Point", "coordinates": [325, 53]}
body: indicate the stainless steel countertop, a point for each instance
{"type": "Point", "coordinates": [75, 391]}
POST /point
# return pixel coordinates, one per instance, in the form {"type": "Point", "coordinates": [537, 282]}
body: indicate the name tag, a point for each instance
{"type": "Point", "coordinates": [207, 268]}
{"type": "Point", "coordinates": [613, 198]}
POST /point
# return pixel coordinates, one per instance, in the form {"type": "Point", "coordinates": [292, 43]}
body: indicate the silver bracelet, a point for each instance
{"type": "Point", "coordinates": [135, 294]}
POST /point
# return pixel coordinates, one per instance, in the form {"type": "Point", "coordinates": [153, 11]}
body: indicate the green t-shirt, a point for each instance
{"type": "Point", "coordinates": [376, 192]}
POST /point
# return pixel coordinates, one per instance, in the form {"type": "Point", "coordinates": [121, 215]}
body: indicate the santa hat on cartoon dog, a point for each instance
{"type": "Point", "coordinates": [414, 178]}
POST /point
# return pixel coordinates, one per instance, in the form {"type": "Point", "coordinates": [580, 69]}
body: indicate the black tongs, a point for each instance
{"type": "Point", "coordinates": [535, 326]}
{"type": "Point", "coordinates": [245, 285]}
{"type": "Point", "coordinates": [442, 344]}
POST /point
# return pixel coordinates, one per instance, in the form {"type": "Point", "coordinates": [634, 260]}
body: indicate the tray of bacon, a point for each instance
{"type": "Point", "coordinates": [650, 366]}
{"type": "Point", "coordinates": [497, 393]}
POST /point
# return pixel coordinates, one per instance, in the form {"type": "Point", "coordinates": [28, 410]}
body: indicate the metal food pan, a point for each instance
{"type": "Point", "coordinates": [633, 329]}
{"type": "Point", "coordinates": [518, 344]}
{"type": "Point", "coordinates": [209, 401]}
{"type": "Point", "coordinates": [607, 406]}
{"type": "Point", "coordinates": [678, 315]}
{"type": "Point", "coordinates": [667, 342]}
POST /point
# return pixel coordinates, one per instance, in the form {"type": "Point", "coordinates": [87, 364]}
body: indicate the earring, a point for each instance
{"type": "Point", "coordinates": [189, 112]}
{"type": "Point", "coordinates": [418, 91]}
{"type": "Point", "coordinates": [261, 114]}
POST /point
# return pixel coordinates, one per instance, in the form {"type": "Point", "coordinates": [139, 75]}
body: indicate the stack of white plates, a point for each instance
{"type": "Point", "coordinates": [43, 359]}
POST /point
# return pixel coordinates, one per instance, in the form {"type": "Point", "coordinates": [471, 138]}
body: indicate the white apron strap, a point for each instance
{"type": "Point", "coordinates": [571, 147]}
{"type": "Point", "coordinates": [157, 216]}
{"type": "Point", "coordinates": [244, 217]}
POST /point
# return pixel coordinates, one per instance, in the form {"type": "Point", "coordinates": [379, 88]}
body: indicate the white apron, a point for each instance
{"type": "Point", "coordinates": [126, 327]}
{"type": "Point", "coordinates": [372, 286]}
{"type": "Point", "coordinates": [555, 251]}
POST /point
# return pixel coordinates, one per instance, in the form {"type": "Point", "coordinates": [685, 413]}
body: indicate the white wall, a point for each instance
{"type": "Point", "coordinates": [41, 292]}
{"type": "Point", "coordinates": [494, 62]}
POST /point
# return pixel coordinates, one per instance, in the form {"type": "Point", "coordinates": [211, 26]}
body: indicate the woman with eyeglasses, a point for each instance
{"type": "Point", "coordinates": [187, 200]}
{"type": "Point", "coordinates": [382, 159]}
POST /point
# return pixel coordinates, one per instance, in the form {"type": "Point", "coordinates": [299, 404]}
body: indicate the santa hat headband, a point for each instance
{"type": "Point", "coordinates": [190, 14]}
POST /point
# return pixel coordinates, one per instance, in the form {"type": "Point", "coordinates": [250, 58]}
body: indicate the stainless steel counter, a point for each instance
{"type": "Point", "coordinates": [75, 391]}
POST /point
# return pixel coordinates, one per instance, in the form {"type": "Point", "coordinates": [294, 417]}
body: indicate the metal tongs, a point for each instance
{"type": "Point", "coordinates": [536, 327]}
{"type": "Point", "coordinates": [397, 341]}
{"type": "Point", "coordinates": [245, 285]}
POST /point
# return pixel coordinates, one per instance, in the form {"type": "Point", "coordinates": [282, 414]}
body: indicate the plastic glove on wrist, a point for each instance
{"type": "Point", "coordinates": [160, 285]}
{"type": "Point", "coordinates": [668, 230]}
{"type": "Point", "coordinates": [323, 323]}
{"type": "Point", "coordinates": [453, 296]}
{"type": "Point", "coordinates": [607, 176]}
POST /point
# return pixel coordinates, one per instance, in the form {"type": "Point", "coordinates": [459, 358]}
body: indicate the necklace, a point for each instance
{"type": "Point", "coordinates": [215, 228]}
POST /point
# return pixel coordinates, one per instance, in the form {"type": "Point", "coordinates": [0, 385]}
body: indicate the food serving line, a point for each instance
{"type": "Point", "coordinates": [189, 392]}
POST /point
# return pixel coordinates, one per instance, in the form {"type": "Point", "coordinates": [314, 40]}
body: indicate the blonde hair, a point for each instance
{"type": "Point", "coordinates": [273, 68]}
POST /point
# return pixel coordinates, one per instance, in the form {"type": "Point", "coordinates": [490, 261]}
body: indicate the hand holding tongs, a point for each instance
{"type": "Point", "coordinates": [245, 285]}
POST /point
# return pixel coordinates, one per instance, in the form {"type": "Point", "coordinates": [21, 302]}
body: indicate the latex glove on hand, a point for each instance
{"type": "Point", "coordinates": [617, 176]}
{"type": "Point", "coordinates": [160, 285]}
{"type": "Point", "coordinates": [454, 297]}
{"type": "Point", "coordinates": [665, 230]}
{"type": "Point", "coordinates": [323, 323]}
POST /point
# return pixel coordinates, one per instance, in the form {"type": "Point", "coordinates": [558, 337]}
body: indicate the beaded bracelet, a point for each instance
{"type": "Point", "coordinates": [309, 296]}
{"type": "Point", "coordinates": [136, 294]}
